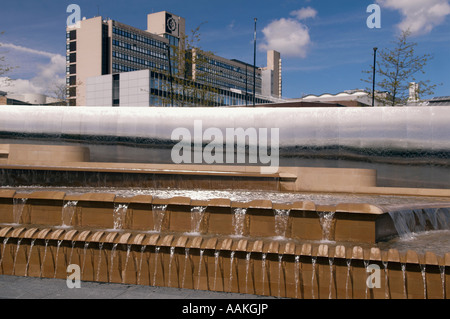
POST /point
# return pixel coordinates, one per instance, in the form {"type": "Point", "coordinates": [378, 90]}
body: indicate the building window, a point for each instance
{"type": "Point", "coordinates": [116, 90]}
{"type": "Point", "coordinates": [72, 92]}
{"type": "Point", "coordinates": [72, 46]}
{"type": "Point", "coordinates": [73, 58]}
{"type": "Point", "coordinates": [73, 69]}
{"type": "Point", "coordinates": [72, 80]}
{"type": "Point", "coordinates": [73, 35]}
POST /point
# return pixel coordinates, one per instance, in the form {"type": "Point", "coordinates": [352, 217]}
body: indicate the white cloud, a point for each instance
{"type": "Point", "coordinates": [419, 16]}
{"type": "Point", "coordinates": [45, 75]}
{"type": "Point", "coordinates": [304, 13]}
{"type": "Point", "coordinates": [289, 36]}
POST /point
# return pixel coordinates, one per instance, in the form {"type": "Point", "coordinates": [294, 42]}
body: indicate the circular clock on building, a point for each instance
{"type": "Point", "coordinates": [171, 24]}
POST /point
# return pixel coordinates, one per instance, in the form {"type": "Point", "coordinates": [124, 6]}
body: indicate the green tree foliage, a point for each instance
{"type": "Point", "coordinates": [186, 81]}
{"type": "Point", "coordinates": [396, 69]}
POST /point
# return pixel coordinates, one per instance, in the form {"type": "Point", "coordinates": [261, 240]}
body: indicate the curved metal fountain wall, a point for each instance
{"type": "Point", "coordinates": [409, 147]}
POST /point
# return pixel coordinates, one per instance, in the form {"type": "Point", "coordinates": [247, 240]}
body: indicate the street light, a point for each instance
{"type": "Point", "coordinates": [374, 69]}
{"type": "Point", "coordinates": [254, 67]}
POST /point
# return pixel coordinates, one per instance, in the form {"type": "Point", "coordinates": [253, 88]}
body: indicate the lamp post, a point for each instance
{"type": "Point", "coordinates": [170, 74]}
{"type": "Point", "coordinates": [254, 67]}
{"type": "Point", "coordinates": [374, 69]}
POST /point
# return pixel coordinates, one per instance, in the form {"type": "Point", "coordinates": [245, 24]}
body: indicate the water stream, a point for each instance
{"type": "Point", "coordinates": [143, 247]}
{"type": "Point", "coordinates": [197, 214]}
{"type": "Point", "coordinates": [157, 249]}
{"type": "Point", "coordinates": [56, 257]}
{"type": "Point", "coordinates": [230, 284]}
{"type": "Point", "coordinates": [326, 223]}
{"type": "Point", "coordinates": [281, 222]}
{"type": "Point", "coordinates": [15, 256]}
{"type": "Point", "coordinates": [124, 272]}
{"type": "Point", "coordinates": [159, 211]}
{"type": "Point", "coordinates": [113, 252]}
{"type": "Point", "coordinates": [200, 268]}
{"type": "Point", "coordinates": [29, 257]}
{"type": "Point", "coordinates": [216, 266]}
{"type": "Point", "coordinates": [5, 241]}
{"type": "Point", "coordinates": [100, 249]}
{"type": "Point", "coordinates": [18, 206]}
{"type": "Point", "coordinates": [239, 221]}
{"type": "Point", "coordinates": [68, 211]}
{"type": "Point", "coordinates": [119, 214]}
{"type": "Point", "coordinates": [43, 258]}
{"type": "Point", "coordinates": [172, 253]}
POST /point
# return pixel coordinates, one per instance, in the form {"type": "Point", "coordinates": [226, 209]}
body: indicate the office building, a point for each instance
{"type": "Point", "coordinates": [100, 51]}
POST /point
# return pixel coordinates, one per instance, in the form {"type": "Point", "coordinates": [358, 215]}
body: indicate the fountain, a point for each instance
{"type": "Point", "coordinates": [311, 230]}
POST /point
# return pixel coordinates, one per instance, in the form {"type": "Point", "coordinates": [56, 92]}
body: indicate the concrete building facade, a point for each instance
{"type": "Point", "coordinates": [99, 47]}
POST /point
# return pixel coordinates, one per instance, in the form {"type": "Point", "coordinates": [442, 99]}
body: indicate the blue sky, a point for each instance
{"type": "Point", "coordinates": [325, 45]}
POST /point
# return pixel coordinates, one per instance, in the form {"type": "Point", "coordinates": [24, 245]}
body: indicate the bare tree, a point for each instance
{"type": "Point", "coordinates": [4, 68]}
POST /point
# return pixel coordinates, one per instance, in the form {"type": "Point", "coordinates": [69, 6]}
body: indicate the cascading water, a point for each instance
{"type": "Point", "coordinates": [113, 252]}
{"type": "Point", "coordinates": [423, 270]}
{"type": "Point", "coordinates": [408, 222]}
{"type": "Point", "coordinates": [29, 257]}
{"type": "Point", "coordinates": [86, 245]}
{"type": "Point", "coordinates": [200, 268]}
{"type": "Point", "coordinates": [281, 222]}
{"type": "Point", "coordinates": [56, 257]}
{"type": "Point", "coordinates": [71, 252]}
{"type": "Point", "coordinates": [280, 266]}
{"type": "Point", "coordinates": [157, 249]}
{"type": "Point", "coordinates": [197, 214]}
{"type": "Point", "coordinates": [172, 253]}
{"type": "Point", "coordinates": [386, 279]}
{"type": "Point", "coordinates": [239, 221]}
{"type": "Point", "coordinates": [100, 248]}
{"type": "Point", "coordinates": [366, 267]}
{"type": "Point", "coordinates": [15, 256]}
{"type": "Point", "coordinates": [126, 263]}
{"type": "Point", "coordinates": [297, 275]}
{"type": "Point", "coordinates": [313, 275]}
{"type": "Point", "coordinates": [442, 272]}
{"type": "Point", "coordinates": [43, 258]}
{"type": "Point", "coordinates": [68, 211]}
{"type": "Point", "coordinates": [119, 214]}
{"type": "Point", "coordinates": [326, 223]}
{"type": "Point", "coordinates": [5, 241]}
{"type": "Point", "coordinates": [159, 211]}
{"type": "Point", "coordinates": [263, 270]}
{"type": "Point", "coordinates": [140, 264]}
{"type": "Point", "coordinates": [18, 206]}
{"type": "Point", "coordinates": [216, 266]}
{"type": "Point", "coordinates": [331, 262]}
{"type": "Point", "coordinates": [247, 269]}
{"type": "Point", "coordinates": [230, 284]}
{"type": "Point", "coordinates": [405, 292]}
{"type": "Point", "coordinates": [186, 259]}
{"type": "Point", "coordinates": [347, 281]}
